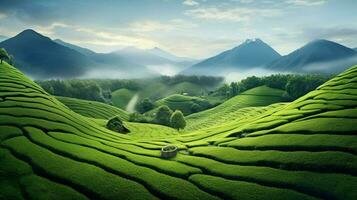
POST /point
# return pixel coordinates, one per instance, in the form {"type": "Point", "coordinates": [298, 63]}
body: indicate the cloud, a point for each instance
{"type": "Point", "coordinates": [231, 14]}
{"type": "Point", "coordinates": [154, 26]}
{"type": "Point", "coordinates": [306, 2]}
{"type": "Point", "coordinates": [190, 3]}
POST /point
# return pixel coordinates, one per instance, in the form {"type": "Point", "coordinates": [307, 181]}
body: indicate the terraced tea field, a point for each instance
{"type": "Point", "coordinates": [300, 150]}
{"type": "Point", "coordinates": [93, 109]}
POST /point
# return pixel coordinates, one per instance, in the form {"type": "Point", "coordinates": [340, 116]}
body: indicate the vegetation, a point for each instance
{"type": "Point", "coordinates": [177, 120]}
{"type": "Point", "coordinates": [4, 55]}
{"type": "Point", "coordinates": [250, 147]}
{"type": "Point", "coordinates": [115, 124]}
{"type": "Point", "coordinates": [163, 115]}
{"type": "Point", "coordinates": [294, 85]}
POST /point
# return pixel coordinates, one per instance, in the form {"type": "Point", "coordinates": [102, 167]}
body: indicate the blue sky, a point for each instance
{"type": "Point", "coordinates": [193, 28]}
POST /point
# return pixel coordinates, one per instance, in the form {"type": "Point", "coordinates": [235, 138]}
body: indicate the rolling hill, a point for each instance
{"type": "Point", "coordinates": [305, 149]}
{"type": "Point", "coordinates": [187, 104]}
{"type": "Point", "coordinates": [250, 54]}
{"type": "Point", "coordinates": [232, 108]}
{"type": "Point", "coordinates": [321, 56]}
{"type": "Point", "coordinates": [93, 109]}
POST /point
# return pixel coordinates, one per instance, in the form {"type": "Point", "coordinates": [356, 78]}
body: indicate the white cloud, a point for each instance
{"type": "Point", "coordinates": [154, 26]}
{"type": "Point", "coordinates": [231, 14]}
{"type": "Point", "coordinates": [306, 2]}
{"type": "Point", "coordinates": [190, 3]}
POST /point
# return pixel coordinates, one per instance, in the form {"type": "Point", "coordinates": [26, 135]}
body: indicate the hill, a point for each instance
{"type": "Point", "coordinates": [232, 108]}
{"type": "Point", "coordinates": [93, 109]}
{"type": "Point", "coordinates": [121, 97]}
{"type": "Point", "coordinates": [321, 56]}
{"type": "Point", "coordinates": [300, 150]}
{"type": "Point", "coordinates": [250, 54]}
{"type": "Point", "coordinates": [187, 104]}
{"type": "Point", "coordinates": [40, 57]}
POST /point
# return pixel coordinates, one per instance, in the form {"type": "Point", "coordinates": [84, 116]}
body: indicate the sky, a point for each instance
{"type": "Point", "coordinates": [190, 28]}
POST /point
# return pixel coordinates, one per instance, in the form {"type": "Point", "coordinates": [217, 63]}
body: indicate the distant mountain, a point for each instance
{"type": "Point", "coordinates": [84, 51]}
{"type": "Point", "coordinates": [40, 57]}
{"type": "Point", "coordinates": [250, 54]}
{"type": "Point", "coordinates": [320, 56]}
{"type": "Point", "coordinates": [355, 49]}
{"type": "Point", "coordinates": [112, 65]}
{"type": "Point", "coordinates": [156, 59]}
{"type": "Point", "coordinates": [164, 54]}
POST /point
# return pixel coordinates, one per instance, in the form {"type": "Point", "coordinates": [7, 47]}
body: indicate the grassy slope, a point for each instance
{"type": "Point", "coordinates": [231, 109]}
{"type": "Point", "coordinates": [181, 102]}
{"type": "Point", "coordinates": [93, 109]}
{"type": "Point", "coordinates": [302, 150]}
{"type": "Point", "coordinates": [121, 97]}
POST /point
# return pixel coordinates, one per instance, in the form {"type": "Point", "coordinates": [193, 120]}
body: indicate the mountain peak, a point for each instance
{"type": "Point", "coordinates": [253, 40]}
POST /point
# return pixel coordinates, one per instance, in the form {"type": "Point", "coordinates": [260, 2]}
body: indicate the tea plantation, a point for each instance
{"type": "Point", "coordinates": [306, 149]}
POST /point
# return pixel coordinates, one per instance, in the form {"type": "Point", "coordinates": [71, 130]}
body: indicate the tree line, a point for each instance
{"type": "Point", "coordinates": [295, 85]}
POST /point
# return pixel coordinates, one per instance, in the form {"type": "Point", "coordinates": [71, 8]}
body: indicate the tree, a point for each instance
{"type": "Point", "coordinates": [177, 120]}
{"type": "Point", "coordinates": [115, 124]}
{"type": "Point", "coordinates": [3, 55]}
{"type": "Point", "coordinates": [145, 105]}
{"type": "Point", "coordinates": [163, 115]}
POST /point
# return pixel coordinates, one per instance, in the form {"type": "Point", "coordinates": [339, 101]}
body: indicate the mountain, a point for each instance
{"type": "Point", "coordinates": [40, 57]}
{"type": "Point", "coordinates": [84, 51]}
{"type": "Point", "coordinates": [250, 54]}
{"type": "Point", "coordinates": [355, 49]}
{"type": "Point", "coordinates": [112, 65]}
{"type": "Point", "coordinates": [317, 56]}
{"type": "Point", "coordinates": [156, 59]}
{"type": "Point", "coordinates": [164, 54]}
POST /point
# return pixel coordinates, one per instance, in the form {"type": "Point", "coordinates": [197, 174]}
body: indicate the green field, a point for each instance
{"type": "Point", "coordinates": [93, 109]}
{"type": "Point", "coordinates": [121, 97]}
{"type": "Point", "coordinates": [250, 147]}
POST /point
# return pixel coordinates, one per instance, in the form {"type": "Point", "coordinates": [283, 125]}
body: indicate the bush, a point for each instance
{"type": "Point", "coordinates": [145, 105]}
{"type": "Point", "coordinates": [137, 117]}
{"type": "Point", "coordinates": [177, 120]}
{"type": "Point", "coordinates": [163, 115]}
{"type": "Point", "coordinates": [115, 124]}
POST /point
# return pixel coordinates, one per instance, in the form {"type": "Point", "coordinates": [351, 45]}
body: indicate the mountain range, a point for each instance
{"type": "Point", "coordinates": [250, 54]}
{"type": "Point", "coordinates": [43, 58]}
{"type": "Point", "coordinates": [319, 56]}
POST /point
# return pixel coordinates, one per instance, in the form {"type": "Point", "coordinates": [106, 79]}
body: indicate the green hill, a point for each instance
{"type": "Point", "coordinates": [232, 108]}
{"type": "Point", "coordinates": [93, 109]}
{"type": "Point", "coordinates": [121, 97]}
{"type": "Point", "coordinates": [187, 104]}
{"type": "Point", "coordinates": [300, 150]}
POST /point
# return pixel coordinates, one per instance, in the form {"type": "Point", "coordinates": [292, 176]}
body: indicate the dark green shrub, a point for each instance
{"type": "Point", "coordinates": [115, 124]}
{"type": "Point", "coordinates": [177, 120]}
{"type": "Point", "coordinates": [163, 115]}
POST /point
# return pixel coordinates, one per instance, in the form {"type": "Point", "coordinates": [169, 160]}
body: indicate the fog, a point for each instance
{"type": "Point", "coordinates": [237, 75]}
{"type": "Point", "coordinates": [336, 66]}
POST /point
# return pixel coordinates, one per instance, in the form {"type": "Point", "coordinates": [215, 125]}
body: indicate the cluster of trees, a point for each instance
{"type": "Point", "coordinates": [6, 57]}
{"type": "Point", "coordinates": [295, 85]}
{"type": "Point", "coordinates": [207, 81]}
{"type": "Point", "coordinates": [164, 116]}
{"type": "Point", "coordinates": [81, 89]}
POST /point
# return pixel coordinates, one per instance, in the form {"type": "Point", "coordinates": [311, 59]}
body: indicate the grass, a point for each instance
{"type": "Point", "coordinates": [93, 109]}
{"type": "Point", "coordinates": [121, 97]}
{"type": "Point", "coordinates": [250, 147]}
{"type": "Point", "coordinates": [183, 103]}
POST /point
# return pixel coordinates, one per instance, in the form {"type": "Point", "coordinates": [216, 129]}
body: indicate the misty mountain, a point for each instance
{"type": "Point", "coordinates": [40, 57]}
{"type": "Point", "coordinates": [320, 56]}
{"type": "Point", "coordinates": [111, 64]}
{"type": "Point", "coordinates": [250, 54]}
{"type": "Point", "coordinates": [355, 49]}
{"type": "Point", "coordinates": [164, 54]}
{"type": "Point", "coordinates": [156, 59]}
